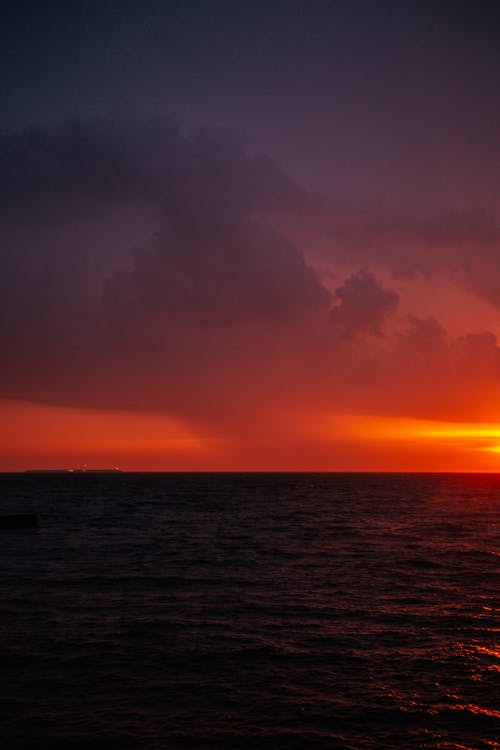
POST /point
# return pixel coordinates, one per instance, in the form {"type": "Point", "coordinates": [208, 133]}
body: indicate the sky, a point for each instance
{"type": "Point", "coordinates": [250, 236]}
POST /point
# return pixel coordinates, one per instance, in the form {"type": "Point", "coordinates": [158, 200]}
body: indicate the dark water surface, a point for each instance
{"type": "Point", "coordinates": [251, 611]}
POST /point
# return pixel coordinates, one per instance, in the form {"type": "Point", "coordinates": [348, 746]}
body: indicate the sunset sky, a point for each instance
{"type": "Point", "coordinates": [250, 236]}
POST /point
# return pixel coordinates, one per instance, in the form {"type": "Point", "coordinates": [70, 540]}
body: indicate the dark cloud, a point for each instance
{"type": "Point", "coordinates": [53, 175]}
{"type": "Point", "coordinates": [142, 268]}
{"type": "Point", "coordinates": [363, 306]}
{"type": "Point", "coordinates": [425, 346]}
{"type": "Point", "coordinates": [207, 260]}
{"type": "Point", "coordinates": [422, 337]}
{"type": "Point", "coordinates": [463, 248]}
{"type": "Point", "coordinates": [478, 355]}
{"type": "Point", "coordinates": [215, 273]}
{"type": "Point", "coordinates": [81, 167]}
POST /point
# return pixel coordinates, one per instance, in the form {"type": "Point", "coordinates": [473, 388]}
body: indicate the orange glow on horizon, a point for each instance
{"type": "Point", "coordinates": [445, 445]}
{"type": "Point", "coordinates": [408, 429]}
{"type": "Point", "coordinates": [41, 436]}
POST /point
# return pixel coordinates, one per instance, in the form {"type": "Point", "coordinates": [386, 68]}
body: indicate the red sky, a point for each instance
{"type": "Point", "coordinates": [271, 243]}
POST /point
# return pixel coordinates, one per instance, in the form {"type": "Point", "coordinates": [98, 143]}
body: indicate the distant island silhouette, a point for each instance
{"type": "Point", "coordinates": [83, 470]}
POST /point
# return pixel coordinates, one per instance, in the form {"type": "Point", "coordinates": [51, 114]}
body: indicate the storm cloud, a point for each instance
{"type": "Point", "coordinates": [363, 306]}
{"type": "Point", "coordinates": [146, 268]}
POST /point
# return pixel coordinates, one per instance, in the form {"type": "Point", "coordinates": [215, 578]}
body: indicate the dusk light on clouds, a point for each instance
{"type": "Point", "coordinates": [250, 236]}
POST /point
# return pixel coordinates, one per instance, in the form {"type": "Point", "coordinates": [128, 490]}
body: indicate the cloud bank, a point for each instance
{"type": "Point", "coordinates": [144, 268]}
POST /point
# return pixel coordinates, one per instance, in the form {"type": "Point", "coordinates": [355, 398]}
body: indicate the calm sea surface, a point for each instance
{"type": "Point", "coordinates": [276, 611]}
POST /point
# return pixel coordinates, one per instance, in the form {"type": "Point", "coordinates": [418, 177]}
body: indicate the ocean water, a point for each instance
{"type": "Point", "coordinates": [274, 611]}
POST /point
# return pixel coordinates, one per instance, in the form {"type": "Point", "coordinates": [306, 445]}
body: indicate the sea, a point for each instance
{"type": "Point", "coordinates": [251, 611]}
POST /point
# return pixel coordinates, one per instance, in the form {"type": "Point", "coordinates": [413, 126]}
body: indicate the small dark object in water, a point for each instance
{"type": "Point", "coordinates": [19, 521]}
